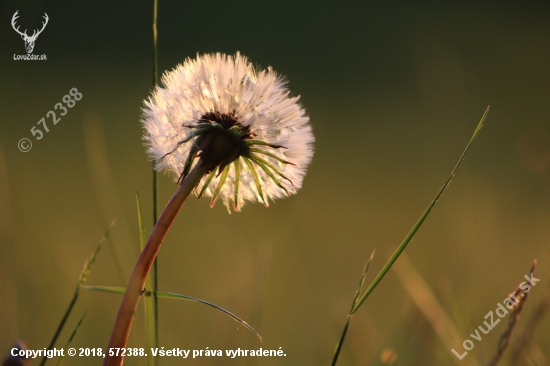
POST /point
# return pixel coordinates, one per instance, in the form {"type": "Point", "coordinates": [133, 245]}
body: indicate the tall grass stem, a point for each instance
{"type": "Point", "coordinates": [345, 330]}
{"type": "Point", "coordinates": [147, 302]}
{"type": "Point", "coordinates": [71, 337]}
{"type": "Point", "coordinates": [155, 213]}
{"type": "Point", "coordinates": [81, 280]}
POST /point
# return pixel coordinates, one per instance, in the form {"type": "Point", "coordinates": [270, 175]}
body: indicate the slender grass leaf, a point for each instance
{"type": "Point", "coordinates": [420, 221]}
{"type": "Point", "coordinates": [147, 302]}
{"type": "Point", "coordinates": [60, 359]}
{"type": "Point", "coordinates": [121, 290]}
{"type": "Point", "coordinates": [355, 297]}
{"type": "Point", "coordinates": [81, 280]}
{"type": "Point", "coordinates": [88, 265]}
{"type": "Point", "coordinates": [155, 82]}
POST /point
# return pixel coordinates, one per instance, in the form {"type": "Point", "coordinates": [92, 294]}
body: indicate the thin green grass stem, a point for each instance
{"type": "Point", "coordinates": [147, 302]}
{"type": "Point", "coordinates": [120, 290]}
{"type": "Point", "coordinates": [350, 314]}
{"type": "Point", "coordinates": [155, 214]}
{"type": "Point", "coordinates": [71, 337]}
{"type": "Point", "coordinates": [81, 280]}
{"type": "Point", "coordinates": [62, 324]}
{"type": "Point", "coordinates": [419, 223]}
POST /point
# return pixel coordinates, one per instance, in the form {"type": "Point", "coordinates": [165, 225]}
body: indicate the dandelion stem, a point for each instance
{"type": "Point", "coordinates": [135, 288]}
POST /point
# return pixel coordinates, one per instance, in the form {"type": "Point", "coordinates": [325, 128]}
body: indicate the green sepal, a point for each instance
{"type": "Point", "coordinates": [206, 183]}
{"type": "Point", "coordinates": [256, 179]}
{"type": "Point", "coordinates": [220, 185]}
{"type": "Point", "coordinates": [263, 143]}
{"type": "Point", "coordinates": [255, 159]}
{"type": "Point", "coordinates": [278, 158]}
{"type": "Point", "coordinates": [237, 163]}
{"type": "Point", "coordinates": [267, 163]}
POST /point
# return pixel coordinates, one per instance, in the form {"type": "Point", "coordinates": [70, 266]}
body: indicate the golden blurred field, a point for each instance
{"type": "Point", "coordinates": [394, 91]}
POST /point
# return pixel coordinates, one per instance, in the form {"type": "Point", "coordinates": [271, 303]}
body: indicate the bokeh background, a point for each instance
{"type": "Point", "coordinates": [394, 91]}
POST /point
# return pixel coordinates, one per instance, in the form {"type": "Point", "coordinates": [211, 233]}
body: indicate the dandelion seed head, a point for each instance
{"type": "Point", "coordinates": [217, 110]}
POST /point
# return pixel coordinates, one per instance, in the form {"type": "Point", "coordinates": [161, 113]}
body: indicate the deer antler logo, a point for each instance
{"type": "Point", "coordinates": [29, 41]}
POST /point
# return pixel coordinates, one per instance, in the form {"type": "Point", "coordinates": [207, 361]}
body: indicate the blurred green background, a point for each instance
{"type": "Point", "coordinates": [394, 91]}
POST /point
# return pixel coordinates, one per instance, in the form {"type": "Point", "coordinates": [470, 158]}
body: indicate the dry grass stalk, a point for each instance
{"type": "Point", "coordinates": [504, 340]}
{"type": "Point", "coordinates": [523, 342]}
{"type": "Point", "coordinates": [427, 302]}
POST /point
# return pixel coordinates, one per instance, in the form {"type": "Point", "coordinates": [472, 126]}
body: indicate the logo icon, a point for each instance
{"type": "Point", "coordinates": [29, 40]}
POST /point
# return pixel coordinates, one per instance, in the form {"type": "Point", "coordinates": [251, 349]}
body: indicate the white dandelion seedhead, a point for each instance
{"type": "Point", "coordinates": [254, 138]}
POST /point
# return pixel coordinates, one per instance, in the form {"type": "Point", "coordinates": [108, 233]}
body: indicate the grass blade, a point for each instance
{"type": "Point", "coordinates": [155, 216]}
{"type": "Point", "coordinates": [81, 280]}
{"type": "Point", "coordinates": [147, 302]}
{"type": "Point", "coordinates": [121, 290]}
{"type": "Point", "coordinates": [88, 265]}
{"type": "Point", "coordinates": [71, 337]}
{"type": "Point", "coordinates": [345, 330]}
{"type": "Point", "coordinates": [142, 235]}
{"type": "Point", "coordinates": [420, 221]}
